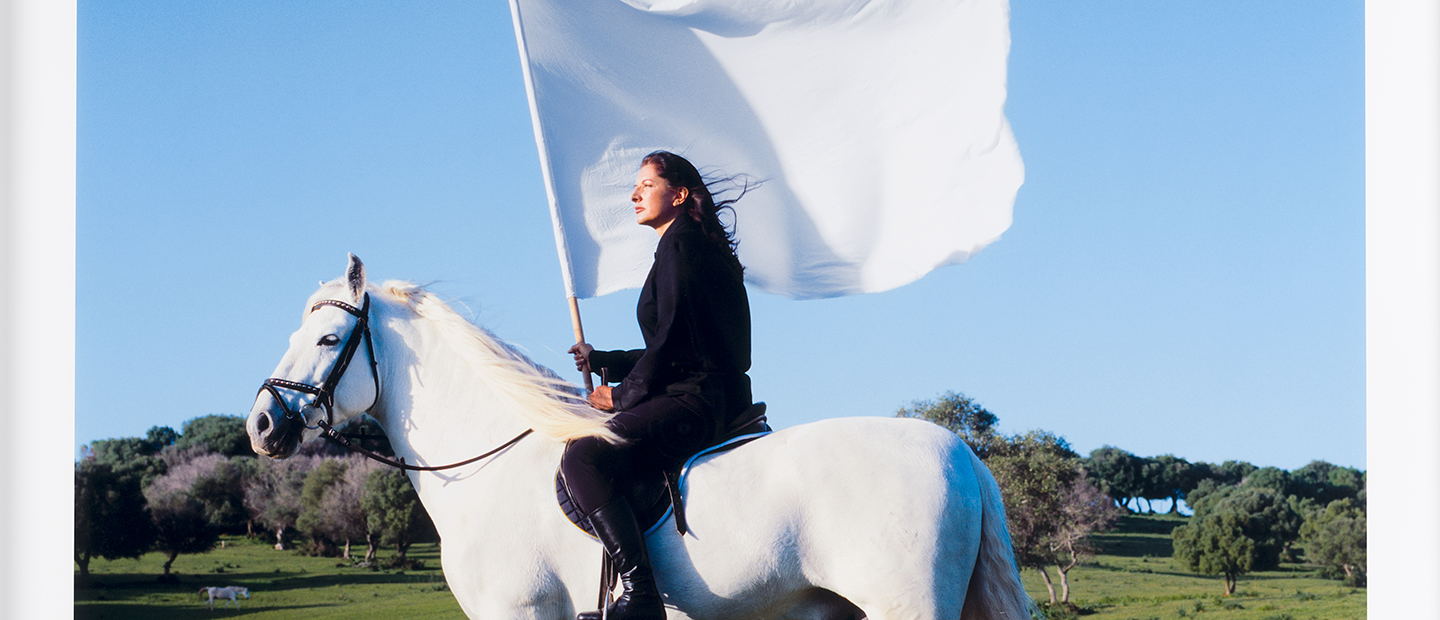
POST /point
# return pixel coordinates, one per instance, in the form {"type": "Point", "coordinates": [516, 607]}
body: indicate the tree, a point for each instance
{"type": "Point", "coordinates": [1168, 477]}
{"type": "Point", "coordinates": [962, 415]}
{"type": "Point", "coordinates": [1327, 483]}
{"type": "Point", "coordinates": [110, 516]}
{"type": "Point", "coordinates": [338, 512]}
{"type": "Point", "coordinates": [1050, 508]}
{"type": "Point", "coordinates": [220, 489]}
{"type": "Point", "coordinates": [344, 506]}
{"type": "Point", "coordinates": [1267, 523]}
{"type": "Point", "coordinates": [1335, 537]}
{"type": "Point", "coordinates": [1084, 511]}
{"type": "Point", "coordinates": [161, 436]}
{"type": "Point", "coordinates": [1273, 478]}
{"type": "Point", "coordinates": [1232, 472]}
{"type": "Point", "coordinates": [272, 496]}
{"type": "Point", "coordinates": [1215, 544]}
{"type": "Point", "coordinates": [128, 456]}
{"type": "Point", "coordinates": [392, 508]}
{"type": "Point", "coordinates": [224, 434]}
{"type": "Point", "coordinates": [1203, 489]}
{"type": "Point", "coordinates": [312, 520]}
{"type": "Point", "coordinates": [181, 525]}
{"type": "Point", "coordinates": [1116, 473]}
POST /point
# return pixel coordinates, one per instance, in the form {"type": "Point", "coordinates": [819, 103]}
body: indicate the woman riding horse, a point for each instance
{"type": "Point", "coordinates": [683, 388]}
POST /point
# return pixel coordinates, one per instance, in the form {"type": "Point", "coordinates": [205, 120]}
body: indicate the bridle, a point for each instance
{"type": "Point", "coordinates": [324, 393]}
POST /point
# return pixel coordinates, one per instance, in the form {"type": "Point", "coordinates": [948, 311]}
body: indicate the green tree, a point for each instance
{"type": "Point", "coordinates": [1327, 483]}
{"type": "Point", "coordinates": [1267, 522]}
{"type": "Point", "coordinates": [1233, 472]}
{"type": "Point", "coordinates": [335, 510]}
{"type": "Point", "coordinates": [1335, 537]}
{"type": "Point", "coordinates": [962, 415]}
{"type": "Point", "coordinates": [161, 436]}
{"type": "Point", "coordinates": [1214, 543]}
{"type": "Point", "coordinates": [224, 434]}
{"type": "Point", "coordinates": [392, 508]}
{"type": "Point", "coordinates": [312, 520]}
{"type": "Point", "coordinates": [1273, 478]}
{"type": "Point", "coordinates": [1117, 473]}
{"type": "Point", "coordinates": [1204, 488]}
{"type": "Point", "coordinates": [110, 516]}
{"type": "Point", "coordinates": [220, 488]}
{"type": "Point", "coordinates": [1168, 477]}
{"type": "Point", "coordinates": [128, 456]}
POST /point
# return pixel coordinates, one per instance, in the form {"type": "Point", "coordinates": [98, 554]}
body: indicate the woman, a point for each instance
{"type": "Point", "coordinates": [683, 388]}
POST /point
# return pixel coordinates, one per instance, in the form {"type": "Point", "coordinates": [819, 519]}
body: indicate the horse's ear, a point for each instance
{"type": "Point", "coordinates": [355, 277]}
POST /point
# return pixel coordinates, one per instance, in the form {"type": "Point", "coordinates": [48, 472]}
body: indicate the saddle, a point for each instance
{"type": "Point", "coordinates": [656, 493]}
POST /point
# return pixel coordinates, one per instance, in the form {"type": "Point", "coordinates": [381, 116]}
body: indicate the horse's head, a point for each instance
{"type": "Point", "coordinates": [311, 387]}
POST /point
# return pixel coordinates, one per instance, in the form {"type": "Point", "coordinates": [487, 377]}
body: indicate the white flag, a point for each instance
{"type": "Point", "coordinates": [877, 126]}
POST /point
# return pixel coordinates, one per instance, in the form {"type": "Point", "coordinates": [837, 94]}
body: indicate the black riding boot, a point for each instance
{"type": "Point", "coordinates": [620, 534]}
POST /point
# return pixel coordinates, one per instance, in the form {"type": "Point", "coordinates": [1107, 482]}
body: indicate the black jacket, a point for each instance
{"type": "Point", "coordinates": [695, 317]}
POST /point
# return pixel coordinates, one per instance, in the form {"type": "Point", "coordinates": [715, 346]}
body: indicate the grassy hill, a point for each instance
{"type": "Point", "coordinates": [1132, 579]}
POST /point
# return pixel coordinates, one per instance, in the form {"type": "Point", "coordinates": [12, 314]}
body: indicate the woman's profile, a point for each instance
{"type": "Point", "coordinates": [678, 393]}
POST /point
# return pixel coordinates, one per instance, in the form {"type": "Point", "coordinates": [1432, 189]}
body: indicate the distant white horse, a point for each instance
{"type": "Point", "coordinates": [227, 592]}
{"type": "Point", "coordinates": [880, 518]}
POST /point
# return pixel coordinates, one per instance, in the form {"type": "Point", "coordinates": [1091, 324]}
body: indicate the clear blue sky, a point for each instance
{"type": "Point", "coordinates": [1184, 275]}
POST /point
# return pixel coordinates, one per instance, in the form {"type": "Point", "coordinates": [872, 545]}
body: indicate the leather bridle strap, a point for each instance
{"type": "Point", "coordinates": [325, 392]}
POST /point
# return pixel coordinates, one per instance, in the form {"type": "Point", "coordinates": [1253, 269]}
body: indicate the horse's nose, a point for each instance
{"type": "Point", "coordinates": [261, 427]}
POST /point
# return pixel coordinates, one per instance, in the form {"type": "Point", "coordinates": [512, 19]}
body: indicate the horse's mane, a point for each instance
{"type": "Point", "coordinates": [553, 407]}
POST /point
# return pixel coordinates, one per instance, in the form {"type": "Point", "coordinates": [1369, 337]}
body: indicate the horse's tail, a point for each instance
{"type": "Point", "coordinates": [995, 592]}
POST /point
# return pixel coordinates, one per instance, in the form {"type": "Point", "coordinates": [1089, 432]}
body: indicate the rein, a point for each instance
{"type": "Point", "coordinates": [335, 437]}
{"type": "Point", "coordinates": [325, 392]}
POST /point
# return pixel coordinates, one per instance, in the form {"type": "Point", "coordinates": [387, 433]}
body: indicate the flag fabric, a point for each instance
{"type": "Point", "coordinates": [876, 126]}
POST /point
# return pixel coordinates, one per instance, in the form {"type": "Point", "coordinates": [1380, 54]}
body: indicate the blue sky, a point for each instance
{"type": "Point", "coordinates": [1184, 275]}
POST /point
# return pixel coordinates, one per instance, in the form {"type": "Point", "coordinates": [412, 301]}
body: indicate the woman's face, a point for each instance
{"type": "Point", "coordinates": [656, 202]}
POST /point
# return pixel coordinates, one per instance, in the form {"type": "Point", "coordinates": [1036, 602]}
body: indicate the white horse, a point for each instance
{"type": "Point", "coordinates": [877, 518]}
{"type": "Point", "coordinates": [228, 593]}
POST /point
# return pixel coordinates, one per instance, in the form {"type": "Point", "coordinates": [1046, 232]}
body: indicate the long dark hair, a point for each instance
{"type": "Point", "coordinates": [701, 206]}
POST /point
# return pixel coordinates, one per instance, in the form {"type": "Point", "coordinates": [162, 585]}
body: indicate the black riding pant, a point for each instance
{"type": "Point", "coordinates": [660, 433]}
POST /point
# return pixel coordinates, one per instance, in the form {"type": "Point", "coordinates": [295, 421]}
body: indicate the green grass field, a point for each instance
{"type": "Point", "coordinates": [1133, 579]}
{"type": "Point", "coordinates": [283, 585]}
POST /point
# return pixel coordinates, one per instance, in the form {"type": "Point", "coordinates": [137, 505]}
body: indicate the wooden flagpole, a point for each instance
{"type": "Point", "coordinates": [545, 172]}
{"type": "Point", "coordinates": [579, 336]}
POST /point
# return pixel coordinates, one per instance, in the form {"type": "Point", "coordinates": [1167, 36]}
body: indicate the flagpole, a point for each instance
{"type": "Point", "coordinates": [579, 336]}
{"type": "Point", "coordinates": [545, 171]}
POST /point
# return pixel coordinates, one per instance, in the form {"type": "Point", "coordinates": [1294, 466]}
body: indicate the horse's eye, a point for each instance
{"type": "Point", "coordinates": [330, 340]}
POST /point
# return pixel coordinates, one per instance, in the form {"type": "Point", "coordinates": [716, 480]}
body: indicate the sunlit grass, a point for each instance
{"type": "Point", "coordinates": [283, 585]}
{"type": "Point", "coordinates": [1135, 579]}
